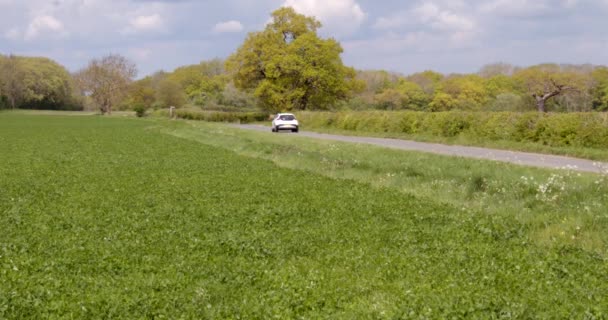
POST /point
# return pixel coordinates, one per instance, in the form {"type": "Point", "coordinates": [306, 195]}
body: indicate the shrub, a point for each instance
{"type": "Point", "coordinates": [140, 110]}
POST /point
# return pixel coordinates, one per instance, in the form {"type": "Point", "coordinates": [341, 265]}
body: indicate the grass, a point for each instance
{"type": "Point", "coordinates": [532, 196]}
{"type": "Point", "coordinates": [130, 218]}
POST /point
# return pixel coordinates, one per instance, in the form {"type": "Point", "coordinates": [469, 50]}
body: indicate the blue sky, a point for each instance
{"type": "Point", "coordinates": [401, 36]}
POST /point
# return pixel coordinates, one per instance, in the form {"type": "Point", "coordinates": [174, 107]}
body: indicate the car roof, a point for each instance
{"type": "Point", "coordinates": [285, 114]}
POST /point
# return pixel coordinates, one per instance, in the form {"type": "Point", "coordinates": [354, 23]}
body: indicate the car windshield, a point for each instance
{"type": "Point", "coordinates": [287, 117]}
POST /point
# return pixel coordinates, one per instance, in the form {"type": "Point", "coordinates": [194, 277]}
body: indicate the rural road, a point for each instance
{"type": "Point", "coordinates": [520, 158]}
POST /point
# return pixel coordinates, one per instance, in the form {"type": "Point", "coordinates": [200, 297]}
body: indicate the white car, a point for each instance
{"type": "Point", "coordinates": [285, 121]}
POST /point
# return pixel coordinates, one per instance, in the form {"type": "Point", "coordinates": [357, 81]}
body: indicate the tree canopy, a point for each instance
{"type": "Point", "coordinates": [35, 83]}
{"type": "Point", "coordinates": [107, 80]}
{"type": "Point", "coordinates": [288, 67]}
{"type": "Point", "coordinates": [544, 82]}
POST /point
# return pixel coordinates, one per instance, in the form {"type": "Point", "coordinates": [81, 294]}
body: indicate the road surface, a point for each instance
{"type": "Point", "coordinates": [520, 158]}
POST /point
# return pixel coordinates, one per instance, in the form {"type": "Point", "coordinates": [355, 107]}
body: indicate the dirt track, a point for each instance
{"type": "Point", "coordinates": [521, 158]}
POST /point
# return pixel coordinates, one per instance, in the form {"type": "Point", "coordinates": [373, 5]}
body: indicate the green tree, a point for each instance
{"type": "Point", "coordinates": [289, 67]}
{"type": "Point", "coordinates": [427, 80]}
{"type": "Point", "coordinates": [467, 92]}
{"type": "Point", "coordinates": [141, 93]}
{"type": "Point", "coordinates": [390, 99]}
{"type": "Point", "coordinates": [169, 93]}
{"type": "Point", "coordinates": [405, 95]}
{"type": "Point", "coordinates": [599, 91]}
{"type": "Point", "coordinates": [442, 102]}
{"type": "Point", "coordinates": [501, 84]}
{"type": "Point", "coordinates": [544, 82]}
{"type": "Point", "coordinates": [107, 80]}
{"type": "Point", "coordinates": [202, 82]}
{"type": "Point", "coordinates": [48, 85]}
{"type": "Point", "coordinates": [12, 84]}
{"type": "Point", "coordinates": [37, 83]}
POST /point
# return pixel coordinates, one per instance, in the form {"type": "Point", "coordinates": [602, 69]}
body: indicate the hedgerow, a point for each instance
{"type": "Point", "coordinates": [551, 129]}
{"type": "Point", "coordinates": [216, 116]}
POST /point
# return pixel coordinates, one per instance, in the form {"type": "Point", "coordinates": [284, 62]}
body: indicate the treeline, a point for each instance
{"type": "Point", "coordinates": [40, 83]}
{"type": "Point", "coordinates": [288, 67]}
{"type": "Point", "coordinates": [206, 85]}
{"type": "Point", "coordinates": [496, 87]}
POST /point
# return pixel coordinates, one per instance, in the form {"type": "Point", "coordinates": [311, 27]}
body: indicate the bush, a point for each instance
{"type": "Point", "coordinates": [140, 110]}
{"type": "Point", "coordinates": [553, 129]}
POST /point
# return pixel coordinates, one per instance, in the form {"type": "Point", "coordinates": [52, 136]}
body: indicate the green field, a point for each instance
{"type": "Point", "coordinates": [131, 218]}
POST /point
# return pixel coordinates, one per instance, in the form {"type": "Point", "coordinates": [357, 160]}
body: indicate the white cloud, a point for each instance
{"type": "Point", "coordinates": [517, 8]}
{"type": "Point", "coordinates": [340, 16]}
{"type": "Point", "coordinates": [42, 24]}
{"type": "Point", "coordinates": [430, 15]}
{"type": "Point", "coordinates": [228, 26]}
{"type": "Point", "coordinates": [146, 23]}
{"type": "Point", "coordinates": [437, 18]}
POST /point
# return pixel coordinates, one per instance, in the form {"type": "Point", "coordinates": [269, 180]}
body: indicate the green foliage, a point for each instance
{"type": "Point", "coordinates": [202, 83]}
{"type": "Point", "coordinates": [4, 102]}
{"type": "Point", "coordinates": [442, 102]}
{"type": "Point", "coordinates": [193, 230]}
{"type": "Point", "coordinates": [404, 95]}
{"type": "Point", "coordinates": [36, 83]}
{"type": "Point", "coordinates": [588, 130]}
{"type": "Point", "coordinates": [599, 91]}
{"type": "Point", "coordinates": [497, 87]}
{"type": "Point", "coordinates": [140, 110]}
{"type": "Point", "coordinates": [141, 93]}
{"type": "Point", "coordinates": [290, 68]}
{"type": "Point", "coordinates": [509, 102]}
{"type": "Point", "coordinates": [221, 116]}
{"type": "Point", "coordinates": [427, 80]}
{"type": "Point", "coordinates": [544, 82]}
{"type": "Point", "coordinates": [169, 93]}
{"type": "Point", "coordinates": [466, 93]}
{"type": "Point", "coordinates": [502, 84]}
{"type": "Point", "coordinates": [231, 97]}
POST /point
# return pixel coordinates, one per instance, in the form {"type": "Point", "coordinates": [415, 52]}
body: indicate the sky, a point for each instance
{"type": "Point", "coordinates": [449, 36]}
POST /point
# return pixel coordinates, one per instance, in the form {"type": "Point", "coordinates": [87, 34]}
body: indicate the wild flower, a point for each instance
{"type": "Point", "coordinates": [549, 191]}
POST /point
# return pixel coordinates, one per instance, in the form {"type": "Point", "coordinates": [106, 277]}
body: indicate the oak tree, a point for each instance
{"type": "Point", "coordinates": [289, 67]}
{"type": "Point", "coordinates": [544, 82]}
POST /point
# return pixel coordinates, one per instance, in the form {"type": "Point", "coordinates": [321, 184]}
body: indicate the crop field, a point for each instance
{"type": "Point", "coordinates": [129, 218]}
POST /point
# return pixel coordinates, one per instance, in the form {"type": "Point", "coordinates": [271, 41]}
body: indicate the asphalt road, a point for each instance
{"type": "Point", "coordinates": [520, 158]}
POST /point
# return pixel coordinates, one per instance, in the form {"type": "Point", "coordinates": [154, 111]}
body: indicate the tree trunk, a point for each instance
{"type": "Point", "coordinates": [540, 104]}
